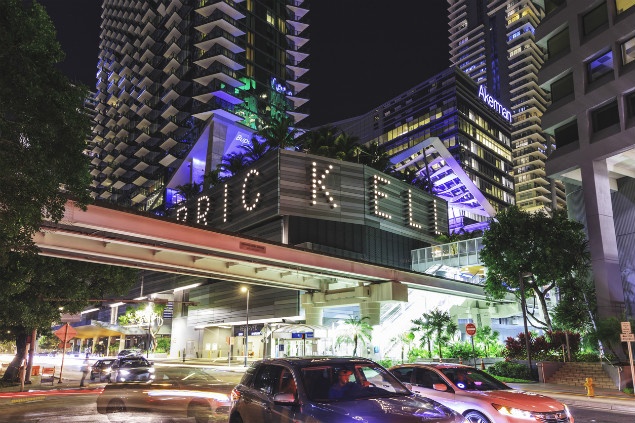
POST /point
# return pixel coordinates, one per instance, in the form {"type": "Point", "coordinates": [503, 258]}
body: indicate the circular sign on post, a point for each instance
{"type": "Point", "coordinates": [470, 329]}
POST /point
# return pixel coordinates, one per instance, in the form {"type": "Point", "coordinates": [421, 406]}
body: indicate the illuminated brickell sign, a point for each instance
{"type": "Point", "coordinates": [493, 103]}
{"type": "Point", "coordinates": [289, 183]}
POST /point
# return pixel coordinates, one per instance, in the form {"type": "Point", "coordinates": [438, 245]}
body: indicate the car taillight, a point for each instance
{"type": "Point", "coordinates": [235, 395]}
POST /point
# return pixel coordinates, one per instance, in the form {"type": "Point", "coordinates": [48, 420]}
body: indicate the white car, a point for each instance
{"type": "Point", "coordinates": [480, 397]}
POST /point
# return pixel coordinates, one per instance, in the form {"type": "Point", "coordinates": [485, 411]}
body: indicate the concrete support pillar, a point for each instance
{"type": "Point", "coordinates": [93, 348]}
{"type": "Point", "coordinates": [107, 353]}
{"type": "Point", "coordinates": [122, 342]}
{"type": "Point", "coordinates": [313, 314]}
{"type": "Point", "coordinates": [370, 309]}
{"type": "Point", "coordinates": [602, 241]}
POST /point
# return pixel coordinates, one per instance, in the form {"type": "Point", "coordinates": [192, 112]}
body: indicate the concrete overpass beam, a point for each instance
{"type": "Point", "coordinates": [313, 314]}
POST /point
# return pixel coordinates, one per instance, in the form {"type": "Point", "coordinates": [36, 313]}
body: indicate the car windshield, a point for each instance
{"type": "Point", "coordinates": [469, 379]}
{"type": "Point", "coordinates": [134, 362]}
{"type": "Point", "coordinates": [349, 381]}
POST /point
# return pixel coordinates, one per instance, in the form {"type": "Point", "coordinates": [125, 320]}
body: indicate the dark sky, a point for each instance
{"type": "Point", "coordinates": [363, 52]}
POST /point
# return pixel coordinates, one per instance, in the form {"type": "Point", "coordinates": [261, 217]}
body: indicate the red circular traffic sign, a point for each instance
{"type": "Point", "coordinates": [470, 329]}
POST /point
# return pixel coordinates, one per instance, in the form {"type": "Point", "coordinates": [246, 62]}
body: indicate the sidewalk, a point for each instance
{"type": "Point", "coordinates": [604, 399]}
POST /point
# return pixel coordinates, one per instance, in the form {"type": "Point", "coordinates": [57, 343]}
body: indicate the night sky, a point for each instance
{"type": "Point", "coordinates": [363, 52]}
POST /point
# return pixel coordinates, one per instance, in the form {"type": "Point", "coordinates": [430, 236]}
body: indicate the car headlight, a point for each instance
{"type": "Point", "coordinates": [513, 412]}
{"type": "Point", "coordinates": [124, 372]}
{"type": "Point", "coordinates": [107, 369]}
{"type": "Point", "coordinates": [151, 370]}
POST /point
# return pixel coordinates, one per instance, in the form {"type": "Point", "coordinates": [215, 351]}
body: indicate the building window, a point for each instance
{"type": "Point", "coordinates": [630, 104]}
{"type": "Point", "coordinates": [566, 134]}
{"type": "Point", "coordinates": [595, 19]}
{"type": "Point", "coordinates": [559, 43]}
{"type": "Point", "coordinates": [605, 116]}
{"type": "Point", "coordinates": [628, 51]}
{"type": "Point", "coordinates": [551, 5]}
{"type": "Point", "coordinates": [562, 88]}
{"type": "Point", "coordinates": [600, 66]}
{"type": "Point", "coordinates": [623, 5]}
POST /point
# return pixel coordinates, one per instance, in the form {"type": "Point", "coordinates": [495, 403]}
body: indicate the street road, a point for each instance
{"type": "Point", "coordinates": [586, 415]}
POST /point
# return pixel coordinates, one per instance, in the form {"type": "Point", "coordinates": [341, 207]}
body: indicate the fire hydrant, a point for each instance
{"type": "Point", "coordinates": [588, 384]}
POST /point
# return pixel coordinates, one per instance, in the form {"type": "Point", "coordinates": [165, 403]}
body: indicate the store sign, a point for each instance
{"type": "Point", "coordinates": [301, 335]}
{"type": "Point", "coordinates": [493, 103]}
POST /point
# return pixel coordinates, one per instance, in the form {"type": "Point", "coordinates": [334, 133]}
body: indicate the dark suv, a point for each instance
{"type": "Point", "coordinates": [329, 390]}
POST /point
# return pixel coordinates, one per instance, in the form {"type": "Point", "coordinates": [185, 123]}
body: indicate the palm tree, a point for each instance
{"type": "Point", "coordinates": [404, 340]}
{"type": "Point", "coordinates": [320, 141]}
{"type": "Point", "coordinates": [255, 149]}
{"type": "Point", "coordinates": [353, 331]}
{"type": "Point", "coordinates": [375, 156]}
{"type": "Point", "coordinates": [233, 163]}
{"type": "Point", "coordinates": [487, 337]}
{"type": "Point", "coordinates": [189, 190]}
{"type": "Point", "coordinates": [425, 329]}
{"type": "Point", "coordinates": [212, 178]}
{"type": "Point", "coordinates": [345, 146]}
{"type": "Point", "coordinates": [279, 133]}
{"type": "Point", "coordinates": [436, 323]}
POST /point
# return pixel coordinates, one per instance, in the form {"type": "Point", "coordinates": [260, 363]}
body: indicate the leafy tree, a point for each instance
{"type": "Point", "coordinates": [353, 331]}
{"type": "Point", "coordinates": [345, 147]}
{"type": "Point", "coordinates": [548, 252]}
{"type": "Point", "coordinates": [148, 317]}
{"type": "Point", "coordinates": [42, 129]}
{"type": "Point", "coordinates": [425, 330]}
{"type": "Point", "coordinates": [212, 178]}
{"type": "Point", "coordinates": [46, 286]}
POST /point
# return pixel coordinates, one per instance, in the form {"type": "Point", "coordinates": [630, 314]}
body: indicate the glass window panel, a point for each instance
{"type": "Point", "coordinates": [605, 116]}
{"type": "Point", "coordinates": [558, 43]}
{"type": "Point", "coordinates": [630, 104]}
{"type": "Point", "coordinates": [624, 5]}
{"type": "Point", "coordinates": [595, 19]}
{"type": "Point", "coordinates": [600, 66]}
{"type": "Point", "coordinates": [562, 87]}
{"type": "Point", "coordinates": [566, 134]}
{"type": "Point", "coordinates": [628, 51]}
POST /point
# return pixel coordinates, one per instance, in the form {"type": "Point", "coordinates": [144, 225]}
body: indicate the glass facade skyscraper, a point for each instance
{"type": "Point", "coordinates": [493, 42]}
{"type": "Point", "coordinates": [455, 136]}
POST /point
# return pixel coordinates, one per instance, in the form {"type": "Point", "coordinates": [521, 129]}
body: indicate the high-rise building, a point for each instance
{"type": "Point", "coordinates": [590, 74]}
{"type": "Point", "coordinates": [454, 136]}
{"type": "Point", "coordinates": [182, 82]}
{"type": "Point", "coordinates": [493, 42]}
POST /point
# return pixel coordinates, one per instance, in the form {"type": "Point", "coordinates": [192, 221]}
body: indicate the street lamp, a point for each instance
{"type": "Point", "coordinates": [245, 289]}
{"type": "Point", "coordinates": [149, 312]}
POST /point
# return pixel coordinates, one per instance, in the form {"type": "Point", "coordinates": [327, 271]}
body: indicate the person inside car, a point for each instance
{"type": "Point", "coordinates": [342, 388]}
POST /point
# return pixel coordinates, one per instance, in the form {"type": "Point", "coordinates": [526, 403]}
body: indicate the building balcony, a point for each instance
{"type": "Point", "coordinates": [220, 72]}
{"type": "Point", "coordinates": [222, 38]}
{"type": "Point", "coordinates": [219, 20]}
{"type": "Point", "coordinates": [227, 7]}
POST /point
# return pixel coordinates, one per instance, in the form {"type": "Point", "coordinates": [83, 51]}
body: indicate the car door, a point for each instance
{"type": "Point", "coordinates": [424, 382]}
{"type": "Point", "coordinates": [258, 401]}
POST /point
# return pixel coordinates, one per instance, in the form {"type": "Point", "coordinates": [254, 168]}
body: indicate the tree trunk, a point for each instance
{"type": "Point", "coordinates": [13, 370]}
{"type": "Point", "coordinates": [543, 305]}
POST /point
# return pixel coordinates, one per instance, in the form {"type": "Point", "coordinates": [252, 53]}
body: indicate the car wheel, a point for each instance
{"type": "Point", "coordinates": [115, 406]}
{"type": "Point", "coordinates": [235, 418]}
{"type": "Point", "coordinates": [200, 412]}
{"type": "Point", "coordinates": [475, 417]}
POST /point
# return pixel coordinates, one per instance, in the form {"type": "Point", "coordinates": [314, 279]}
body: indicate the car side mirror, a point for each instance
{"type": "Point", "coordinates": [440, 387]}
{"type": "Point", "coordinates": [284, 399]}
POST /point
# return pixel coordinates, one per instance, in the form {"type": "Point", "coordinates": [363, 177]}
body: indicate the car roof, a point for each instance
{"type": "Point", "coordinates": [315, 360]}
{"type": "Point", "coordinates": [435, 365]}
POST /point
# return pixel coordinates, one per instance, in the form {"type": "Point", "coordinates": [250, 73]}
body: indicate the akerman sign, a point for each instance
{"type": "Point", "coordinates": [493, 103]}
{"type": "Point", "coordinates": [295, 184]}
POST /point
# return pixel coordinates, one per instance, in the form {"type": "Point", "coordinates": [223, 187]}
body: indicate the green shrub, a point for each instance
{"type": "Point", "coordinates": [462, 350]}
{"type": "Point", "coordinates": [163, 344]}
{"type": "Point", "coordinates": [628, 391]}
{"type": "Point", "coordinates": [511, 370]}
{"type": "Point", "coordinates": [589, 357]}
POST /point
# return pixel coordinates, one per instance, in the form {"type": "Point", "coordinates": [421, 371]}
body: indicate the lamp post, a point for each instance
{"type": "Point", "coordinates": [245, 289]}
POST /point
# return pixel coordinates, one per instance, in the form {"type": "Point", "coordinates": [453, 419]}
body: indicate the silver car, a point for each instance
{"type": "Point", "coordinates": [329, 390]}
